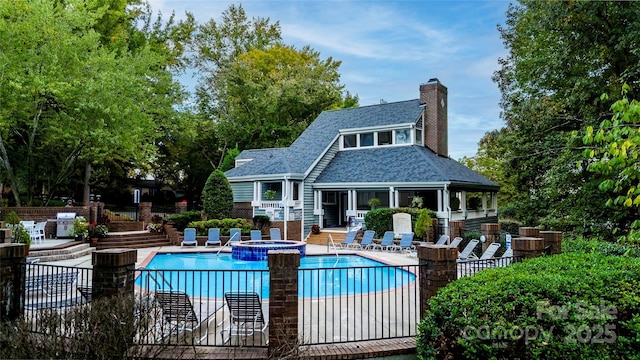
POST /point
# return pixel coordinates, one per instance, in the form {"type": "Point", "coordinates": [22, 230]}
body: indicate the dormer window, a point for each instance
{"type": "Point", "coordinates": [403, 136]}
{"type": "Point", "coordinates": [366, 139]}
{"type": "Point", "coordinates": [349, 141]}
{"type": "Point", "coordinates": [383, 137]}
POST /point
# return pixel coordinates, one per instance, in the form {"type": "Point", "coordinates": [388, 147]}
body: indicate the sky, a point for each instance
{"type": "Point", "coordinates": [388, 48]}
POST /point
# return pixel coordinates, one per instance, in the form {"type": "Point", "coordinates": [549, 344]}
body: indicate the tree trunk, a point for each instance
{"type": "Point", "coordinates": [87, 190]}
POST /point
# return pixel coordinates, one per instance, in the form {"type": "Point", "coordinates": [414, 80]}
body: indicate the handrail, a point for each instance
{"type": "Point", "coordinates": [153, 277]}
{"type": "Point", "coordinates": [330, 244]}
{"type": "Point", "coordinates": [228, 243]}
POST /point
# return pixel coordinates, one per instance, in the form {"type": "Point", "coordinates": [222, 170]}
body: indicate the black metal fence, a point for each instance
{"type": "Point", "coordinates": [471, 267]}
{"type": "Point", "coordinates": [358, 303]}
{"type": "Point", "coordinates": [50, 290]}
{"type": "Point", "coordinates": [230, 307]}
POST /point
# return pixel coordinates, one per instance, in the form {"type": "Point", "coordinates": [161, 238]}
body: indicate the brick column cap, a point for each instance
{"type": "Point", "coordinates": [279, 259]}
{"type": "Point", "coordinates": [114, 257]}
{"type": "Point", "coordinates": [437, 252]}
{"type": "Point", "coordinates": [12, 250]}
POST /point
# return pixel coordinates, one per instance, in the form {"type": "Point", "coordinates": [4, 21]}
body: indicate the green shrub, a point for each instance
{"type": "Point", "coordinates": [421, 228]}
{"type": "Point", "coordinates": [180, 221]}
{"type": "Point", "coordinates": [569, 306]}
{"type": "Point", "coordinates": [217, 196]}
{"type": "Point", "coordinates": [510, 226]}
{"type": "Point", "coordinates": [381, 220]}
{"type": "Point", "coordinates": [202, 227]}
{"type": "Point", "coordinates": [580, 245]}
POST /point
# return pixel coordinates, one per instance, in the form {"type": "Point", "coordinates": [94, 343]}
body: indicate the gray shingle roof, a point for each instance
{"type": "Point", "coordinates": [398, 164]}
{"type": "Point", "coordinates": [320, 134]}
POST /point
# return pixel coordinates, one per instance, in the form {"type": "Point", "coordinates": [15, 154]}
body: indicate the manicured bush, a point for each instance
{"type": "Point", "coordinates": [202, 227]}
{"type": "Point", "coordinates": [568, 306]}
{"type": "Point", "coordinates": [381, 220]}
{"type": "Point", "coordinates": [180, 221]}
{"type": "Point", "coordinates": [217, 196]}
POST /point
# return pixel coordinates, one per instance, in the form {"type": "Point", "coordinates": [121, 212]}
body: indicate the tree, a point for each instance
{"type": "Point", "coordinates": [272, 95]}
{"type": "Point", "coordinates": [70, 99]}
{"type": "Point", "coordinates": [217, 196]}
{"type": "Point", "coordinates": [562, 55]}
{"type": "Point", "coordinates": [614, 153]}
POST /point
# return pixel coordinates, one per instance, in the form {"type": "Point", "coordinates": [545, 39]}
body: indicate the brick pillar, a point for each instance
{"type": "Point", "coordinates": [113, 272]}
{"type": "Point", "coordinates": [491, 232]}
{"type": "Point", "coordinates": [527, 247]}
{"type": "Point", "coordinates": [529, 232]}
{"type": "Point", "coordinates": [145, 212]}
{"type": "Point", "coordinates": [5, 236]}
{"type": "Point", "coordinates": [283, 302]}
{"type": "Point", "coordinates": [439, 270]}
{"type": "Point", "coordinates": [181, 207]}
{"type": "Point", "coordinates": [456, 228]}
{"type": "Point", "coordinates": [553, 239]}
{"type": "Point", "coordinates": [11, 280]}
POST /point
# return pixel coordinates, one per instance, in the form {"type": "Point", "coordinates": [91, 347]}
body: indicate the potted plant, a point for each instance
{"type": "Point", "coordinates": [315, 229]}
{"type": "Point", "coordinates": [374, 203]}
{"type": "Point", "coordinates": [80, 229]}
{"type": "Point", "coordinates": [97, 232]}
{"type": "Point", "coordinates": [22, 237]}
{"type": "Point", "coordinates": [270, 194]}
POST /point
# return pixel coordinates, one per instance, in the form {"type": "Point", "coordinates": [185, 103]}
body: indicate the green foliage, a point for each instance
{"type": "Point", "coordinates": [423, 223]}
{"type": "Point", "coordinates": [261, 221]}
{"type": "Point", "coordinates": [217, 196]}
{"type": "Point", "coordinates": [455, 203]}
{"type": "Point", "coordinates": [570, 306]}
{"type": "Point", "coordinates": [510, 226]}
{"type": "Point", "coordinates": [104, 330]}
{"type": "Point", "coordinates": [582, 245]}
{"type": "Point", "coordinates": [561, 57]}
{"type": "Point", "coordinates": [613, 152]}
{"type": "Point", "coordinates": [228, 162]}
{"type": "Point", "coordinates": [12, 218]}
{"type": "Point", "coordinates": [180, 221]}
{"type": "Point", "coordinates": [374, 203]}
{"type": "Point", "coordinates": [381, 220]}
{"type": "Point", "coordinates": [202, 227]}
{"type": "Point", "coordinates": [21, 236]}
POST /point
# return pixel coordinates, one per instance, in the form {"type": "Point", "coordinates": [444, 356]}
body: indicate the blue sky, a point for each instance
{"type": "Point", "coordinates": [387, 48]}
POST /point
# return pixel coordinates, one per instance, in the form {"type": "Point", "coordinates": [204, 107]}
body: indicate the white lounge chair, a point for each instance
{"type": "Point", "coordinates": [467, 252]}
{"type": "Point", "coordinates": [444, 239]}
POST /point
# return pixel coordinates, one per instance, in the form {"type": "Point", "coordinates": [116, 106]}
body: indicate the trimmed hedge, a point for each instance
{"type": "Point", "coordinates": [381, 220]}
{"type": "Point", "coordinates": [202, 227]}
{"type": "Point", "coordinates": [569, 306]}
{"type": "Point", "coordinates": [180, 221]}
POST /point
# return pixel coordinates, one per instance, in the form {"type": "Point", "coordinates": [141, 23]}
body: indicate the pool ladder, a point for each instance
{"type": "Point", "coordinates": [228, 243]}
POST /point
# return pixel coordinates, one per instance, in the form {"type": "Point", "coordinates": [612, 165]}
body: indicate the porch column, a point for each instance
{"type": "Point", "coordinates": [440, 202]}
{"type": "Point", "coordinates": [463, 203]}
{"type": "Point", "coordinates": [392, 197]}
{"type": "Point", "coordinates": [484, 203]}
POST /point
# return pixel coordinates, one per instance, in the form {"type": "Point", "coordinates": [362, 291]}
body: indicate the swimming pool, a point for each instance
{"type": "Point", "coordinates": [318, 275]}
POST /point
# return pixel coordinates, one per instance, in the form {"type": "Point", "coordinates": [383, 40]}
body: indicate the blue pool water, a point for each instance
{"type": "Point", "coordinates": [210, 275]}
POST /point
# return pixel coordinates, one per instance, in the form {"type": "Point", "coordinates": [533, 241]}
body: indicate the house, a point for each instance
{"type": "Point", "coordinates": [393, 152]}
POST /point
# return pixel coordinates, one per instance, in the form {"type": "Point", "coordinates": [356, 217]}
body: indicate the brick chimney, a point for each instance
{"type": "Point", "coordinates": [434, 95]}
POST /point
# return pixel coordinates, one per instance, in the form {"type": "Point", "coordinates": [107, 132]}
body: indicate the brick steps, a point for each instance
{"type": "Point", "coordinates": [66, 253]}
{"type": "Point", "coordinates": [133, 240]}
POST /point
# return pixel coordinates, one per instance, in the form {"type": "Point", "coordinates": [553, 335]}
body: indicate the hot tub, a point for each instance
{"type": "Point", "coordinates": [257, 250]}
